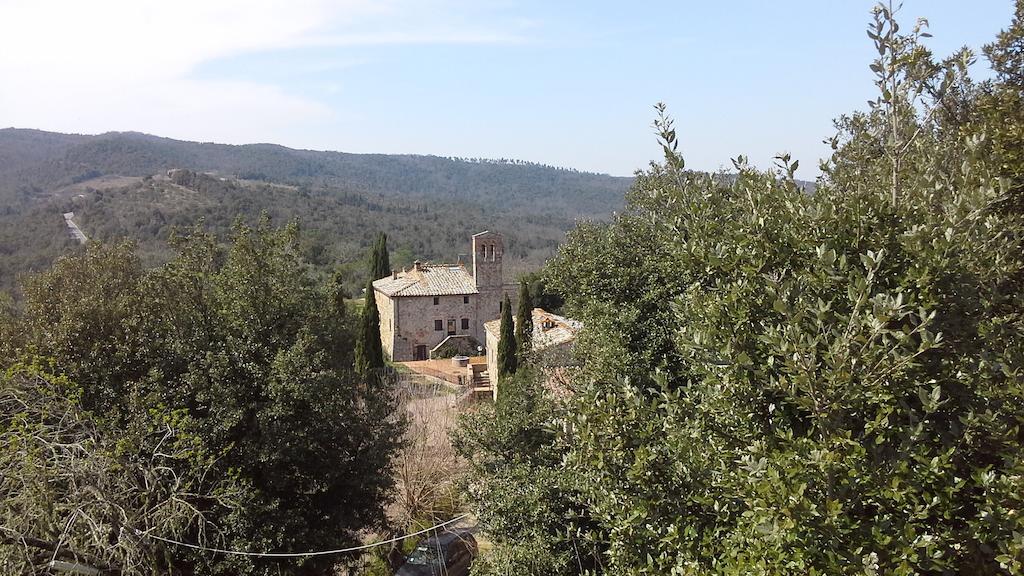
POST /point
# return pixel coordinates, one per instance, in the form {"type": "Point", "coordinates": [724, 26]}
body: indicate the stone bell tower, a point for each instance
{"type": "Point", "coordinates": [488, 249]}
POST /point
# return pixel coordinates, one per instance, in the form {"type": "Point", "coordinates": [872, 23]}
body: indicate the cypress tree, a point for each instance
{"type": "Point", "coordinates": [507, 361]}
{"type": "Point", "coordinates": [524, 320]}
{"type": "Point", "coordinates": [384, 258]}
{"type": "Point", "coordinates": [380, 263]}
{"type": "Point", "coordinates": [369, 354]}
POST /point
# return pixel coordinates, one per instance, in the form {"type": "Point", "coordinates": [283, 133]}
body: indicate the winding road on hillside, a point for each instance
{"type": "Point", "coordinates": [76, 232]}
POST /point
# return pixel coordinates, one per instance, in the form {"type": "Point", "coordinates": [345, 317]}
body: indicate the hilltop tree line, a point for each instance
{"type": "Point", "coordinates": [516, 162]}
{"type": "Point", "coordinates": [776, 382]}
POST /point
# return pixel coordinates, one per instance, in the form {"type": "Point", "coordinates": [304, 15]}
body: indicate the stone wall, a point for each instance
{"type": "Point", "coordinates": [492, 363]}
{"type": "Point", "coordinates": [386, 309]}
{"type": "Point", "coordinates": [416, 316]}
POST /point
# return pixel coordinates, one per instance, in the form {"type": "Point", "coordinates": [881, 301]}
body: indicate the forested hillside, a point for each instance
{"type": "Point", "coordinates": [117, 185]}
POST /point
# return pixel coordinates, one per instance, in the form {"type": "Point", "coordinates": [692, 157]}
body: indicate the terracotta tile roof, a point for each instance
{"type": "Point", "coordinates": [428, 280]}
{"type": "Point", "coordinates": [551, 329]}
{"type": "Point", "coordinates": [548, 329]}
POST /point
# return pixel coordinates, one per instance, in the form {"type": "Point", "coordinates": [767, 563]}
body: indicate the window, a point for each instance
{"type": "Point", "coordinates": [465, 299]}
{"type": "Point", "coordinates": [436, 300]}
{"type": "Point", "coordinates": [438, 325]}
{"type": "Point", "coordinates": [465, 323]}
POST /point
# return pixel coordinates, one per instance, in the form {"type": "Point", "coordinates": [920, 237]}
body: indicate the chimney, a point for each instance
{"type": "Point", "coordinates": [394, 274]}
{"type": "Point", "coordinates": [417, 265]}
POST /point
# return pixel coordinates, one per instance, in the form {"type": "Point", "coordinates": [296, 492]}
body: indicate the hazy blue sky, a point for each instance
{"type": "Point", "coordinates": [565, 83]}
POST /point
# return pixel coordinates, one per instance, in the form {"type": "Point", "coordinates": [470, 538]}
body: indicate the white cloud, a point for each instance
{"type": "Point", "coordinates": [97, 65]}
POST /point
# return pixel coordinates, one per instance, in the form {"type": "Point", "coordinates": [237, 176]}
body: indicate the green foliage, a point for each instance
{"type": "Point", "coordinates": [507, 349]}
{"type": "Point", "coordinates": [10, 334]}
{"type": "Point", "coordinates": [1006, 54]}
{"type": "Point", "coordinates": [258, 357]}
{"type": "Point", "coordinates": [75, 491]}
{"type": "Point", "coordinates": [369, 352]}
{"type": "Point", "coordinates": [519, 493]}
{"type": "Point", "coordinates": [777, 382]}
{"type": "Point", "coordinates": [380, 265]}
{"type": "Point", "coordinates": [544, 295]}
{"type": "Point", "coordinates": [997, 116]}
{"type": "Point", "coordinates": [622, 297]}
{"type": "Point", "coordinates": [524, 320]}
{"type": "Point", "coordinates": [32, 237]}
{"type": "Point", "coordinates": [84, 312]}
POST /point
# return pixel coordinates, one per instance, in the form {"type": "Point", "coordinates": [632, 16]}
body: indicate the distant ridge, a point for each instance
{"type": "Point", "coordinates": [117, 185]}
{"type": "Point", "coordinates": [48, 159]}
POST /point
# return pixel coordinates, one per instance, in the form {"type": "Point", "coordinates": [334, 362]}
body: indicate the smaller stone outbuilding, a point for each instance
{"type": "Point", "coordinates": [553, 336]}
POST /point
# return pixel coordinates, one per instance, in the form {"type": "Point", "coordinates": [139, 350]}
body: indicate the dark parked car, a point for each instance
{"type": "Point", "coordinates": [446, 554]}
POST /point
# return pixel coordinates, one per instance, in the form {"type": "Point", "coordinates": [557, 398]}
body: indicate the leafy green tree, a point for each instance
{"type": "Point", "coordinates": [258, 356]}
{"type": "Point", "coordinates": [84, 312]}
{"type": "Point", "coordinates": [996, 113]}
{"type": "Point", "coordinates": [623, 299]}
{"type": "Point", "coordinates": [543, 294]}
{"type": "Point", "coordinates": [369, 352]}
{"type": "Point", "coordinates": [777, 382]}
{"type": "Point", "coordinates": [530, 508]}
{"type": "Point", "coordinates": [524, 320]}
{"type": "Point", "coordinates": [507, 348]}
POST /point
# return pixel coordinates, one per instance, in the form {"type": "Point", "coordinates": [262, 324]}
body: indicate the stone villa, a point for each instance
{"type": "Point", "coordinates": [442, 305]}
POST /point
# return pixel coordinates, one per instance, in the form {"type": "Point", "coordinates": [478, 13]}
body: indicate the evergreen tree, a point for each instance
{"type": "Point", "coordinates": [369, 354]}
{"type": "Point", "coordinates": [380, 263]}
{"type": "Point", "coordinates": [507, 361]}
{"type": "Point", "coordinates": [211, 397]}
{"type": "Point", "coordinates": [524, 320]}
